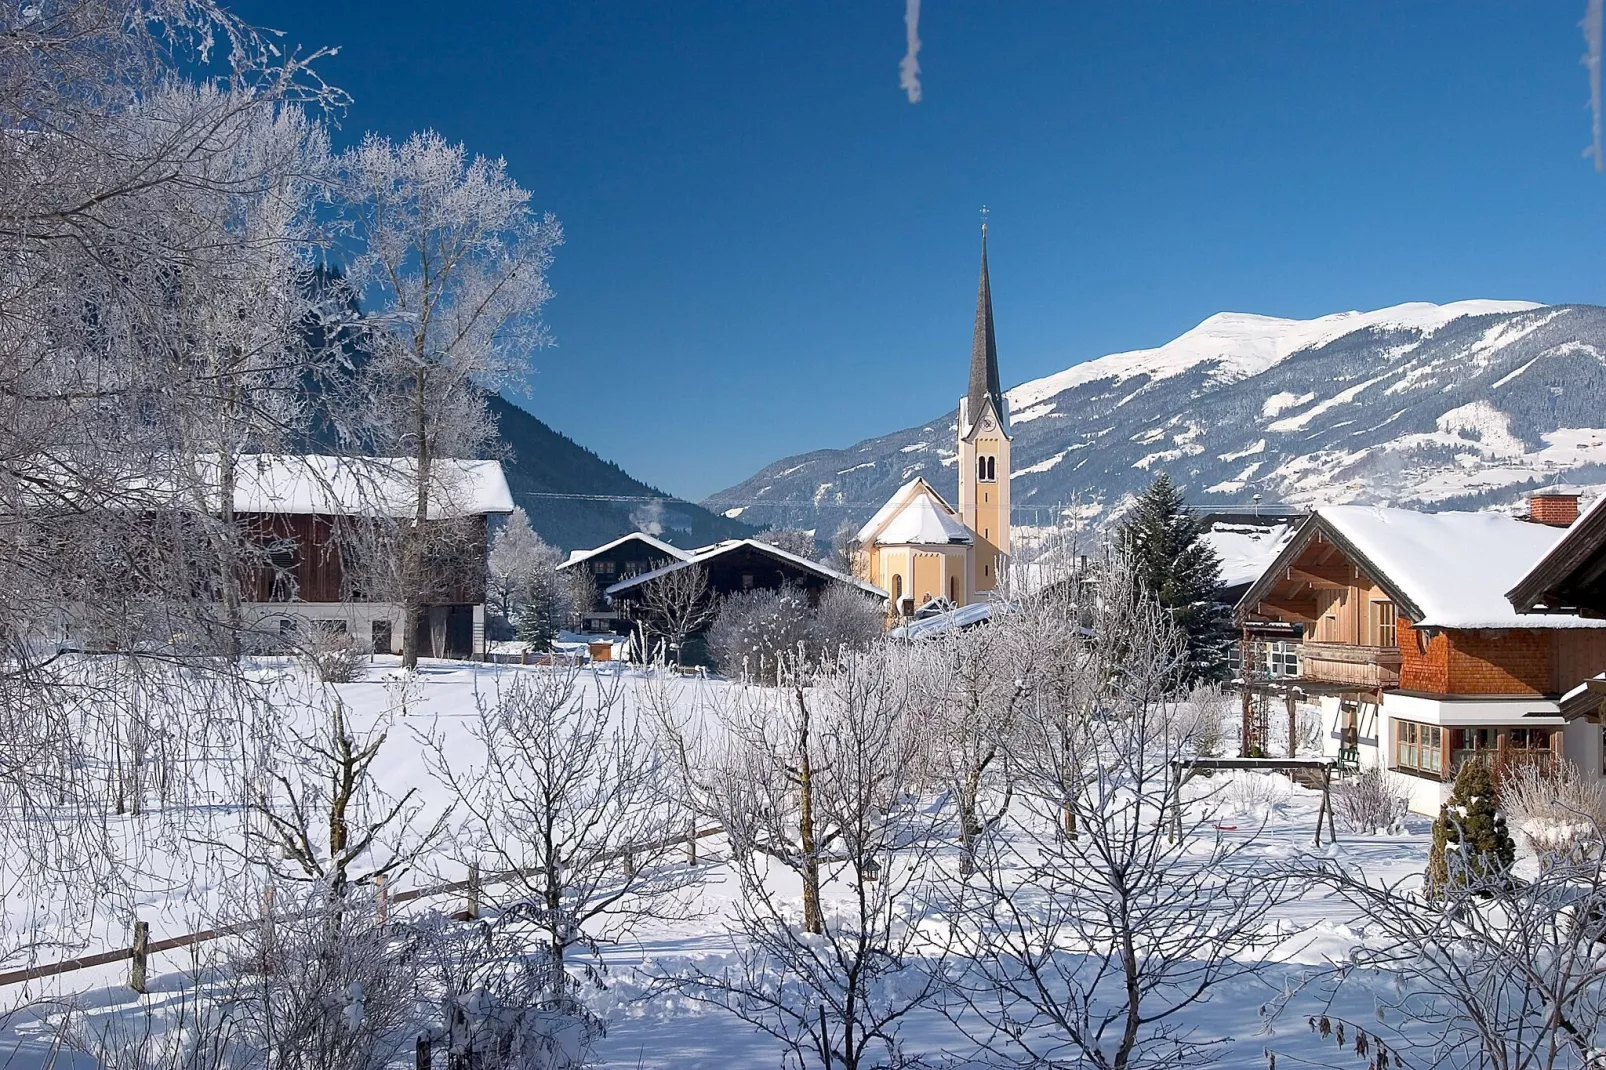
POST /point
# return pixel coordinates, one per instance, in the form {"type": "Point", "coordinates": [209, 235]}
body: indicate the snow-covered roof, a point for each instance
{"type": "Point", "coordinates": [1454, 567]}
{"type": "Point", "coordinates": [367, 486]}
{"type": "Point", "coordinates": [718, 549]}
{"type": "Point", "coordinates": [923, 522]}
{"type": "Point", "coordinates": [576, 556]}
{"type": "Point", "coordinates": [963, 617]}
{"type": "Point", "coordinates": [915, 514]}
{"type": "Point", "coordinates": [1246, 550]}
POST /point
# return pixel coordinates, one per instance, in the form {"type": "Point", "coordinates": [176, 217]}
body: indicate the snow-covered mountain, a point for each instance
{"type": "Point", "coordinates": [1439, 406]}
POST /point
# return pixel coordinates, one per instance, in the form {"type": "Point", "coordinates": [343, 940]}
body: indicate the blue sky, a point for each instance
{"type": "Point", "coordinates": [769, 250]}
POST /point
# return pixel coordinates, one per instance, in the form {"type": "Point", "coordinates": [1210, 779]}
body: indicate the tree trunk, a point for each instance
{"type": "Point", "coordinates": [813, 917]}
{"type": "Point", "coordinates": [412, 577]}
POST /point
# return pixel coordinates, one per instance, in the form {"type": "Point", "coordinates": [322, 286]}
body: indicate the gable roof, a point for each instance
{"type": "Point", "coordinates": [1442, 570]}
{"type": "Point", "coordinates": [1571, 572]}
{"type": "Point", "coordinates": [367, 486]}
{"type": "Point", "coordinates": [577, 556]}
{"type": "Point", "coordinates": [916, 514]}
{"type": "Point", "coordinates": [709, 553]}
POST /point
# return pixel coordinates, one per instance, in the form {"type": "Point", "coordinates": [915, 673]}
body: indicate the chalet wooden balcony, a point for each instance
{"type": "Point", "coordinates": [1344, 663]}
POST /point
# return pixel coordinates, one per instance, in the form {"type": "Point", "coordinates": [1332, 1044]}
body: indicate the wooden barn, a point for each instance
{"type": "Point", "coordinates": [313, 520]}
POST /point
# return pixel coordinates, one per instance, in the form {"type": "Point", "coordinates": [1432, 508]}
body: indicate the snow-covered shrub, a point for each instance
{"type": "Point", "coordinates": [1374, 800]}
{"type": "Point", "coordinates": [1196, 725]}
{"type": "Point", "coordinates": [322, 983]}
{"type": "Point", "coordinates": [843, 619]}
{"type": "Point", "coordinates": [1307, 729]}
{"type": "Point", "coordinates": [1253, 794]}
{"type": "Point", "coordinates": [335, 657]}
{"type": "Point", "coordinates": [498, 1006]}
{"type": "Point", "coordinates": [754, 630]}
{"type": "Point", "coordinates": [1556, 809]}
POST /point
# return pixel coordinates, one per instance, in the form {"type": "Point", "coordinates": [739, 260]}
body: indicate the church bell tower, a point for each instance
{"type": "Point", "coordinates": [984, 440]}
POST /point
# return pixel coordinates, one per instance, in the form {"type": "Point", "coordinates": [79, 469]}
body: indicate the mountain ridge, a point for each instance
{"type": "Point", "coordinates": [1432, 405]}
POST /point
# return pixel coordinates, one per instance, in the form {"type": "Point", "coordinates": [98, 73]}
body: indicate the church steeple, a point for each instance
{"type": "Point", "coordinates": [984, 348]}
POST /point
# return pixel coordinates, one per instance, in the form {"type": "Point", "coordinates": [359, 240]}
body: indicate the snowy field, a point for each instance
{"type": "Point", "coordinates": [185, 882]}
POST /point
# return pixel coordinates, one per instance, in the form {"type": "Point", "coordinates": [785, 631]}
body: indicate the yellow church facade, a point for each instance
{"type": "Point", "coordinates": [920, 548]}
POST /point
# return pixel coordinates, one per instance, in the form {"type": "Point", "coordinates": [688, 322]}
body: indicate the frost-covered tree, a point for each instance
{"type": "Point", "coordinates": [576, 806]}
{"type": "Point", "coordinates": [811, 786]}
{"type": "Point", "coordinates": [454, 263]}
{"type": "Point", "coordinates": [516, 555]}
{"type": "Point", "coordinates": [793, 541]}
{"type": "Point", "coordinates": [1105, 913]}
{"type": "Point", "coordinates": [1486, 971]}
{"type": "Point", "coordinates": [1174, 563]}
{"type": "Point", "coordinates": [677, 604]}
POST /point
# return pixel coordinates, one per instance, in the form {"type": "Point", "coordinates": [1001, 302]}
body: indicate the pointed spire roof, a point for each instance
{"type": "Point", "coordinates": [984, 349]}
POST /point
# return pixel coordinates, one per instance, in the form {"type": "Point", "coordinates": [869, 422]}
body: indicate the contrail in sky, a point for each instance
{"type": "Point", "coordinates": [909, 69]}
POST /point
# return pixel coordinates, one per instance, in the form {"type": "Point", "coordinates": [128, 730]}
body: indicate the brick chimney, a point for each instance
{"type": "Point", "coordinates": [1553, 507]}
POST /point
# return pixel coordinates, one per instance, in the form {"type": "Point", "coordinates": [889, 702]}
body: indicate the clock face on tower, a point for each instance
{"type": "Point", "coordinates": [987, 424]}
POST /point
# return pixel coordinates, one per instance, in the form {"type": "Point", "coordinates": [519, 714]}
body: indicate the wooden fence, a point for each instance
{"type": "Point", "coordinates": [142, 947]}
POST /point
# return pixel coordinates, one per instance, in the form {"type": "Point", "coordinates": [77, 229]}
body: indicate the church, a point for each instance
{"type": "Point", "coordinates": [918, 547]}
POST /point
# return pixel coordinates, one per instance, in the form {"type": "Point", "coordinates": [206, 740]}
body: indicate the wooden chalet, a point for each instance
{"type": "Point", "coordinates": [1571, 578]}
{"type": "Point", "coordinates": [613, 562]}
{"type": "Point", "coordinates": [1417, 659]}
{"type": "Point", "coordinates": [744, 565]}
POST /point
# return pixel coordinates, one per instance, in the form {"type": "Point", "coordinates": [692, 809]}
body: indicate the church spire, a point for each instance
{"type": "Point", "coordinates": [983, 345]}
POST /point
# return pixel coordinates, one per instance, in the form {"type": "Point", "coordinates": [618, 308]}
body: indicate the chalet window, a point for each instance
{"type": "Point", "coordinates": [1467, 744]}
{"type": "Point", "coordinates": [1384, 624]}
{"type": "Point", "coordinates": [1530, 739]}
{"type": "Point", "coordinates": [1419, 748]}
{"type": "Point", "coordinates": [747, 581]}
{"type": "Point", "coordinates": [605, 568]}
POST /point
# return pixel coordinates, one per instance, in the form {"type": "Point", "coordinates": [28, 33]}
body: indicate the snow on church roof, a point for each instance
{"type": "Point", "coordinates": [1455, 567]}
{"type": "Point", "coordinates": [915, 514]}
{"type": "Point", "coordinates": [922, 522]}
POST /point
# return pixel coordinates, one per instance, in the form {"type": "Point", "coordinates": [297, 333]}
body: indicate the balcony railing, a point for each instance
{"type": "Point", "coordinates": [1343, 663]}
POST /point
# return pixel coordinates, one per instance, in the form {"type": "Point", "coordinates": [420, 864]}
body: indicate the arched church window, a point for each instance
{"type": "Point", "coordinates": [981, 468]}
{"type": "Point", "coordinates": [953, 589]}
{"type": "Point", "coordinates": [897, 587]}
{"type": "Point", "coordinates": [992, 469]}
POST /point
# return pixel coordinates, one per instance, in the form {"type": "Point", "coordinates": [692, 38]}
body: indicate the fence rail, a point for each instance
{"type": "Point", "coordinates": [142, 949]}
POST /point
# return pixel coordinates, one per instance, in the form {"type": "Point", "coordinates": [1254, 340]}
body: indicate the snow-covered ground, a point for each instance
{"type": "Point", "coordinates": [184, 883]}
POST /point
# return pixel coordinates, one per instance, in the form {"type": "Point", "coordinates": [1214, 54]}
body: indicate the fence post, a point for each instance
{"type": "Point", "coordinates": [472, 905]}
{"type": "Point", "coordinates": [691, 845]}
{"type": "Point", "coordinates": [1293, 724]}
{"type": "Point", "coordinates": [141, 949]}
{"type": "Point", "coordinates": [383, 897]}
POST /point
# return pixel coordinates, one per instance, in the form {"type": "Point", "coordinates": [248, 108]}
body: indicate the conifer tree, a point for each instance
{"type": "Point", "coordinates": [1175, 565]}
{"type": "Point", "coordinates": [1471, 827]}
{"type": "Point", "coordinates": [538, 617]}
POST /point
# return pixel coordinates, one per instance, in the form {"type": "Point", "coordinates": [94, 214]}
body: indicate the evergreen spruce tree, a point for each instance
{"type": "Point", "coordinates": [1470, 827]}
{"type": "Point", "coordinates": [537, 619]}
{"type": "Point", "coordinates": [1179, 568]}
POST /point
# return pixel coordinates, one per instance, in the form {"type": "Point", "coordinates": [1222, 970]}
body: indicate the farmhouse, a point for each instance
{"type": "Point", "coordinates": [613, 562]}
{"type": "Point", "coordinates": [1418, 659]}
{"type": "Point", "coordinates": [307, 518]}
